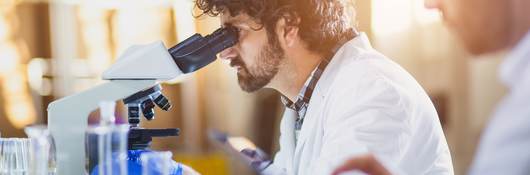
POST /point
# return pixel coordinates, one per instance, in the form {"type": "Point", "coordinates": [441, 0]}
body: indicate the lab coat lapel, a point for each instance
{"type": "Point", "coordinates": [287, 139]}
{"type": "Point", "coordinates": [315, 109]}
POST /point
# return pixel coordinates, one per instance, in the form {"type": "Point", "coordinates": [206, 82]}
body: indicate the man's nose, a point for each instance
{"type": "Point", "coordinates": [227, 53]}
{"type": "Point", "coordinates": [431, 4]}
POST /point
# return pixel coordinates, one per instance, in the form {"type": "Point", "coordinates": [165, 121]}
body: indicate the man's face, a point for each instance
{"type": "Point", "coordinates": [483, 25]}
{"type": "Point", "coordinates": [256, 58]}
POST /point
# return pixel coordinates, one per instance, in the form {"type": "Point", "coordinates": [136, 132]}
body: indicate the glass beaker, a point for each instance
{"type": "Point", "coordinates": [106, 143]}
{"type": "Point", "coordinates": [156, 163]}
{"type": "Point", "coordinates": [14, 156]}
{"type": "Point", "coordinates": [107, 149]}
{"type": "Point", "coordinates": [120, 137]}
{"type": "Point", "coordinates": [41, 150]}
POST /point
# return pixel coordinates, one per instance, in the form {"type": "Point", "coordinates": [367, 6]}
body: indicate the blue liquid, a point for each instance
{"type": "Point", "coordinates": [134, 165]}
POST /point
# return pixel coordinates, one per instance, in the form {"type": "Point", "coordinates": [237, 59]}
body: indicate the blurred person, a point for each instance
{"type": "Point", "coordinates": [342, 97]}
{"type": "Point", "coordinates": [485, 27]}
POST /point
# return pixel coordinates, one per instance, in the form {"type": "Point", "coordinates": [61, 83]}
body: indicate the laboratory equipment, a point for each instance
{"type": "Point", "coordinates": [41, 153]}
{"type": "Point", "coordinates": [158, 163]}
{"type": "Point", "coordinates": [14, 157]}
{"type": "Point", "coordinates": [107, 143]}
{"type": "Point", "coordinates": [134, 76]}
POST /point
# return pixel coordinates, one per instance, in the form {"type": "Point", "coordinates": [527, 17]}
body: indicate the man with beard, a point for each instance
{"type": "Point", "coordinates": [342, 97]}
{"type": "Point", "coordinates": [487, 26]}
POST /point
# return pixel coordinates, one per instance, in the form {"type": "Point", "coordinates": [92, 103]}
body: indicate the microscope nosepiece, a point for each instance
{"type": "Point", "coordinates": [148, 109]}
{"type": "Point", "coordinates": [162, 102]}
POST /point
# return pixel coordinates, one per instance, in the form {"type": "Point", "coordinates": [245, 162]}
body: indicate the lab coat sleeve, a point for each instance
{"type": "Point", "coordinates": [372, 118]}
{"type": "Point", "coordinates": [505, 144]}
{"type": "Point", "coordinates": [274, 169]}
{"type": "Point", "coordinates": [278, 165]}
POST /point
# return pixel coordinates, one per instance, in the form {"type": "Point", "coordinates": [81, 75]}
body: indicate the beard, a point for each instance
{"type": "Point", "coordinates": [253, 78]}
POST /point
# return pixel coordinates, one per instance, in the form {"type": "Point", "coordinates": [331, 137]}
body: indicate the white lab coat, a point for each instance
{"type": "Point", "coordinates": [364, 103]}
{"type": "Point", "coordinates": [505, 144]}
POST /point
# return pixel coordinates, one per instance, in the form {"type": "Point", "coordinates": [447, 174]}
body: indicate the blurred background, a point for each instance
{"type": "Point", "coordinates": [52, 49]}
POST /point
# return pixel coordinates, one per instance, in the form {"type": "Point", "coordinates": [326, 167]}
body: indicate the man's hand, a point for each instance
{"type": "Point", "coordinates": [258, 159]}
{"type": "Point", "coordinates": [366, 163]}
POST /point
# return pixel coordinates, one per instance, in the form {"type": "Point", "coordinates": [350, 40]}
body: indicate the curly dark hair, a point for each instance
{"type": "Point", "coordinates": [322, 23]}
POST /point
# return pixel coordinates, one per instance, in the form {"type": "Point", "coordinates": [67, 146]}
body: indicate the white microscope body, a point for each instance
{"type": "Point", "coordinates": [141, 67]}
{"type": "Point", "coordinates": [137, 71]}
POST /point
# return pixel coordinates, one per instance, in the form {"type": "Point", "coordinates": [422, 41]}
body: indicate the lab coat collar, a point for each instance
{"type": "Point", "coordinates": [516, 67]}
{"type": "Point", "coordinates": [361, 41]}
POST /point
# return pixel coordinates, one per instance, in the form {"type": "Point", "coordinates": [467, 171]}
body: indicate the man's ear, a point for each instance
{"type": "Point", "coordinates": [287, 33]}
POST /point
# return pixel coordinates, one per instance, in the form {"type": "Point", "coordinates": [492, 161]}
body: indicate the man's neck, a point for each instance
{"type": "Point", "coordinates": [294, 73]}
{"type": "Point", "coordinates": [520, 21]}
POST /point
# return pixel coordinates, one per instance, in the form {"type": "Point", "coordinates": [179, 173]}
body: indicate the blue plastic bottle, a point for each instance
{"type": "Point", "coordinates": [134, 165]}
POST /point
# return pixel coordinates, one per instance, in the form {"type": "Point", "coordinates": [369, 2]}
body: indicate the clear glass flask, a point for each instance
{"type": "Point", "coordinates": [14, 156]}
{"type": "Point", "coordinates": [156, 163]}
{"type": "Point", "coordinates": [106, 144]}
{"type": "Point", "coordinates": [41, 151]}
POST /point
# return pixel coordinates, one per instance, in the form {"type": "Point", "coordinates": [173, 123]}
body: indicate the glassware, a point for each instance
{"type": "Point", "coordinates": [107, 150]}
{"type": "Point", "coordinates": [156, 163]}
{"type": "Point", "coordinates": [99, 150]}
{"type": "Point", "coordinates": [107, 144]}
{"type": "Point", "coordinates": [41, 151]}
{"type": "Point", "coordinates": [14, 156]}
{"type": "Point", "coordinates": [120, 137]}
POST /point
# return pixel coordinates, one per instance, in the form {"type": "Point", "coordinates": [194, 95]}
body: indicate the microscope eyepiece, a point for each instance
{"type": "Point", "coordinates": [198, 51]}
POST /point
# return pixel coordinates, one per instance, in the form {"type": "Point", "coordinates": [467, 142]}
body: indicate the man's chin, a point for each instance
{"type": "Point", "coordinates": [248, 89]}
{"type": "Point", "coordinates": [478, 44]}
{"type": "Point", "coordinates": [482, 48]}
{"type": "Point", "coordinates": [251, 85]}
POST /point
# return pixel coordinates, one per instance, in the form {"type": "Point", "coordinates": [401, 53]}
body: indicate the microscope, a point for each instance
{"type": "Point", "coordinates": [133, 78]}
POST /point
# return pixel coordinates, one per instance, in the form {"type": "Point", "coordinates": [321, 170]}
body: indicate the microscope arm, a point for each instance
{"type": "Point", "coordinates": [67, 120]}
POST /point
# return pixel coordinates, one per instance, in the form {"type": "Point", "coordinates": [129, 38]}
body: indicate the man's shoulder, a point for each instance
{"type": "Point", "coordinates": [365, 66]}
{"type": "Point", "coordinates": [370, 73]}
